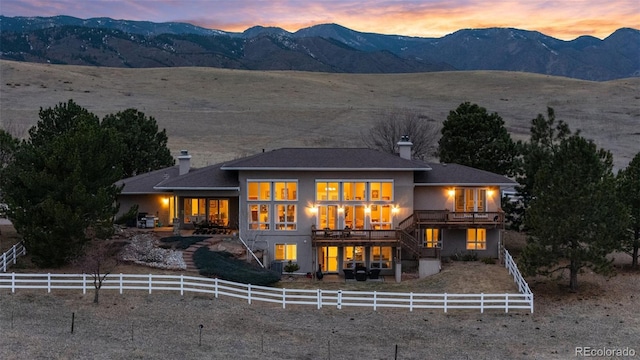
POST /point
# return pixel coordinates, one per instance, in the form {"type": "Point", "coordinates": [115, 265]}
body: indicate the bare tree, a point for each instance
{"type": "Point", "coordinates": [396, 122]}
{"type": "Point", "coordinates": [98, 260]}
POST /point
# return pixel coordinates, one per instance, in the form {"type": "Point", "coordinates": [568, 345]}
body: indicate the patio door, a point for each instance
{"type": "Point", "coordinates": [328, 216]}
{"type": "Point", "coordinates": [219, 211]}
{"type": "Point", "coordinates": [328, 258]}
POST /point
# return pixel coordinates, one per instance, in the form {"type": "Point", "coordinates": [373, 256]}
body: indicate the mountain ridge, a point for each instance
{"type": "Point", "coordinates": [324, 47]}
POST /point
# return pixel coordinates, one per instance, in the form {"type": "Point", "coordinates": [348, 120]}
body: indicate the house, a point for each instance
{"type": "Point", "coordinates": [333, 209]}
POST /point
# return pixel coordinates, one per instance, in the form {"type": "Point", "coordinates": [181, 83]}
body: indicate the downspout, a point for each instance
{"type": "Point", "coordinates": [250, 251]}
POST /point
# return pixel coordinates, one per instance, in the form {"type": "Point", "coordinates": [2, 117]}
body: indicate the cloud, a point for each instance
{"type": "Point", "coordinates": [431, 18]}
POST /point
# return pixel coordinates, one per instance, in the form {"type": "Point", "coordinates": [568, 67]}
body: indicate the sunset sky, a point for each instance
{"type": "Point", "coordinates": [563, 19]}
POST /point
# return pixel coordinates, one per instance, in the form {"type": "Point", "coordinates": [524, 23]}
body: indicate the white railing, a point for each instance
{"type": "Point", "coordinates": [11, 256]}
{"type": "Point", "coordinates": [251, 293]}
{"type": "Point", "coordinates": [523, 287]}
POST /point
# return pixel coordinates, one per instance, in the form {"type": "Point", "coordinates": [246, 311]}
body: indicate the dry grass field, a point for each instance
{"type": "Point", "coordinates": [220, 114]}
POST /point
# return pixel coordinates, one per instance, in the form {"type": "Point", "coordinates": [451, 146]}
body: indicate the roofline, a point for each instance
{"type": "Point", "coordinates": [235, 188]}
{"type": "Point", "coordinates": [322, 169]}
{"type": "Point", "coordinates": [467, 184]}
{"type": "Point", "coordinates": [145, 192]}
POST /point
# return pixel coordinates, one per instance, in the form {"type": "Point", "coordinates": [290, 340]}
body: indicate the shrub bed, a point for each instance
{"type": "Point", "coordinates": [226, 267]}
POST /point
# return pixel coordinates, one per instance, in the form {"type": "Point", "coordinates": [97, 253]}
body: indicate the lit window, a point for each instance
{"type": "Point", "coordinates": [285, 252]}
{"type": "Point", "coordinates": [432, 238]}
{"type": "Point", "coordinates": [381, 257]}
{"type": "Point", "coordinates": [327, 191]}
{"type": "Point", "coordinates": [257, 190]}
{"type": "Point", "coordinates": [286, 219]}
{"type": "Point", "coordinates": [353, 257]}
{"type": "Point", "coordinates": [258, 216]}
{"type": "Point", "coordinates": [476, 239]}
{"type": "Point", "coordinates": [381, 217]}
{"type": "Point", "coordinates": [285, 190]}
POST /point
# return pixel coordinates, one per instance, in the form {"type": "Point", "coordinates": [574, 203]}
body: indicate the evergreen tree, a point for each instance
{"type": "Point", "coordinates": [473, 137]}
{"type": "Point", "coordinates": [629, 193]}
{"type": "Point", "coordinates": [575, 218]}
{"type": "Point", "coordinates": [146, 147]}
{"type": "Point", "coordinates": [59, 187]}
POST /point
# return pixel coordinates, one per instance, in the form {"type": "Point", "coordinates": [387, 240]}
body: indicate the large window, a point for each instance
{"type": "Point", "coordinates": [432, 238]}
{"type": "Point", "coordinates": [354, 217]}
{"type": "Point", "coordinates": [353, 257]}
{"type": "Point", "coordinates": [286, 252]}
{"type": "Point", "coordinates": [257, 190]}
{"type": "Point", "coordinates": [380, 217]}
{"type": "Point", "coordinates": [381, 257]}
{"type": "Point", "coordinates": [194, 210]}
{"type": "Point", "coordinates": [285, 190]}
{"type": "Point", "coordinates": [354, 191]}
{"type": "Point", "coordinates": [470, 200]}
{"type": "Point", "coordinates": [380, 191]}
{"type": "Point", "coordinates": [259, 216]}
{"type": "Point", "coordinates": [327, 191]}
{"type": "Point", "coordinates": [286, 219]}
{"type": "Point", "coordinates": [328, 216]}
{"type": "Point", "coordinates": [476, 239]}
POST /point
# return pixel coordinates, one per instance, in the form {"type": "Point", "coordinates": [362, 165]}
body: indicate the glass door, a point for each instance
{"type": "Point", "coordinates": [328, 258]}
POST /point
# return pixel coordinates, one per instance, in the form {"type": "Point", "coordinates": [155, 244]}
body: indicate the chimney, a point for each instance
{"type": "Point", "coordinates": [184, 160]}
{"type": "Point", "coordinates": [404, 147]}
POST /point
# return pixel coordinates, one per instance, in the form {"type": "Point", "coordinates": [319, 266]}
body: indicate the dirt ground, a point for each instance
{"type": "Point", "coordinates": [602, 315]}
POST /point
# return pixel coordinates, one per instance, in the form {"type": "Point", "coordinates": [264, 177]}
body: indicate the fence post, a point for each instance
{"type": "Point", "coordinates": [84, 284]}
{"type": "Point", "coordinates": [49, 282]}
{"type": "Point", "coordinates": [506, 303]}
{"type": "Point", "coordinates": [445, 302]}
{"type": "Point", "coordinates": [150, 282]}
{"type": "Point", "coordinates": [120, 283]}
{"type": "Point", "coordinates": [411, 301]}
{"type": "Point", "coordinates": [13, 282]}
{"type": "Point", "coordinates": [374, 300]}
{"type": "Point", "coordinates": [4, 262]}
{"type": "Point", "coordinates": [181, 284]}
{"type": "Point", "coordinates": [249, 293]}
{"type": "Point", "coordinates": [215, 289]}
{"type": "Point", "coordinates": [339, 302]}
{"type": "Point", "coordinates": [481, 303]}
{"type": "Point", "coordinates": [284, 298]}
{"type": "Point", "coordinates": [15, 256]}
{"type": "Point", "coordinates": [319, 299]}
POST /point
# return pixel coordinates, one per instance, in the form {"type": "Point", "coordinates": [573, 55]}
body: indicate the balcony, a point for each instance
{"type": "Point", "coordinates": [448, 219]}
{"type": "Point", "coordinates": [334, 237]}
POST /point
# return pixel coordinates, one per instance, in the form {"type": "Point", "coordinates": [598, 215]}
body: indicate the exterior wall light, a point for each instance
{"type": "Point", "coordinates": [452, 192]}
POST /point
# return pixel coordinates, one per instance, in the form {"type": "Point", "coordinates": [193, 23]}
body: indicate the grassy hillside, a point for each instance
{"type": "Point", "coordinates": [220, 114]}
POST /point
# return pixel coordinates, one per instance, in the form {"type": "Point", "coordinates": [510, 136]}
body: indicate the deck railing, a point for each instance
{"type": "Point", "coordinates": [317, 298]}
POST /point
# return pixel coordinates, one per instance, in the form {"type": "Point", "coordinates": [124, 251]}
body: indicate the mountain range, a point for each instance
{"type": "Point", "coordinates": [320, 48]}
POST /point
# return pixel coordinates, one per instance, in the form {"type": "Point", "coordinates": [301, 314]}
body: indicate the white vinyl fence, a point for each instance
{"type": "Point", "coordinates": [251, 293]}
{"type": "Point", "coordinates": [11, 256]}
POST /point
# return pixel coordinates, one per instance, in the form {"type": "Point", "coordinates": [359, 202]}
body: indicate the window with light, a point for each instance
{"type": "Point", "coordinates": [286, 252]}
{"type": "Point", "coordinates": [476, 239]}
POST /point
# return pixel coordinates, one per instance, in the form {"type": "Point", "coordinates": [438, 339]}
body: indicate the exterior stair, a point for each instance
{"type": "Point", "coordinates": [187, 254]}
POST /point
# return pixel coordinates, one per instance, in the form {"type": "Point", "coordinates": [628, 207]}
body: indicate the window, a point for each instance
{"type": "Point", "coordinates": [354, 217]}
{"type": "Point", "coordinates": [353, 257]}
{"type": "Point", "coordinates": [432, 238]}
{"type": "Point", "coordinates": [354, 191]}
{"type": "Point", "coordinates": [286, 190]}
{"type": "Point", "coordinates": [258, 216]}
{"type": "Point", "coordinates": [328, 216]}
{"type": "Point", "coordinates": [194, 210]}
{"type": "Point", "coordinates": [381, 191]}
{"type": "Point", "coordinates": [380, 217]}
{"type": "Point", "coordinates": [470, 200]}
{"type": "Point", "coordinates": [327, 191]}
{"type": "Point", "coordinates": [381, 257]}
{"type": "Point", "coordinates": [476, 239]}
{"type": "Point", "coordinates": [257, 190]}
{"type": "Point", "coordinates": [286, 252]}
{"type": "Point", "coordinates": [286, 219]}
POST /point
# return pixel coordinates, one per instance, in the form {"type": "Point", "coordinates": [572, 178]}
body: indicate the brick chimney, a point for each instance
{"type": "Point", "coordinates": [404, 147]}
{"type": "Point", "coordinates": [184, 161]}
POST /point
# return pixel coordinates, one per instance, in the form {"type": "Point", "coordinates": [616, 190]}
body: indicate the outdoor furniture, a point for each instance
{"type": "Point", "coordinates": [361, 275]}
{"type": "Point", "coordinates": [348, 274]}
{"type": "Point", "coordinates": [374, 274]}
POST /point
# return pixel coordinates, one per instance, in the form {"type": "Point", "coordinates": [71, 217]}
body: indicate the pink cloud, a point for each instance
{"type": "Point", "coordinates": [432, 18]}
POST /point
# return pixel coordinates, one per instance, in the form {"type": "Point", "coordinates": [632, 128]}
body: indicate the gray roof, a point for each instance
{"type": "Point", "coordinates": [326, 159]}
{"type": "Point", "coordinates": [145, 183]}
{"type": "Point", "coordinates": [211, 177]}
{"type": "Point", "coordinates": [454, 174]}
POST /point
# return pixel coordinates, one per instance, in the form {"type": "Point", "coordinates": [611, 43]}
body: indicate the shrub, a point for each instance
{"type": "Point", "coordinates": [291, 267]}
{"type": "Point", "coordinates": [489, 261]}
{"type": "Point", "coordinates": [226, 267]}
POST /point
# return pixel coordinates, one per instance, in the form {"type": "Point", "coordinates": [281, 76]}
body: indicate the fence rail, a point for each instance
{"type": "Point", "coordinates": [318, 298]}
{"type": "Point", "coordinates": [11, 256]}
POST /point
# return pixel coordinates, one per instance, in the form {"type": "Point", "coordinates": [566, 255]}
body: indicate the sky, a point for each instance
{"type": "Point", "coordinates": [563, 19]}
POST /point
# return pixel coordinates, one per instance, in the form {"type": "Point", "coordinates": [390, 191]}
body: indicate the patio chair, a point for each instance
{"type": "Point", "coordinates": [374, 274]}
{"type": "Point", "coordinates": [348, 274]}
